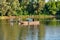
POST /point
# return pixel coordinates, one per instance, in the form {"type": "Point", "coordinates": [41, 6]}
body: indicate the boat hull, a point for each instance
{"type": "Point", "coordinates": [30, 23]}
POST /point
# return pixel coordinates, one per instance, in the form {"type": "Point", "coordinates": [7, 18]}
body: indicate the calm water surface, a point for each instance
{"type": "Point", "coordinates": [49, 29]}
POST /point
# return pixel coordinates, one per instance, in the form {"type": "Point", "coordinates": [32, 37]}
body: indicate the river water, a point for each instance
{"type": "Point", "coordinates": [49, 29]}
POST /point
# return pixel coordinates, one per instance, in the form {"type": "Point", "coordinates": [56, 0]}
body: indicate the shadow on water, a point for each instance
{"type": "Point", "coordinates": [47, 30]}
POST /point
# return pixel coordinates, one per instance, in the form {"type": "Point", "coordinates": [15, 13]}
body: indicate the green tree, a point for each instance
{"type": "Point", "coordinates": [50, 7]}
{"type": "Point", "coordinates": [41, 5]}
{"type": "Point", "coordinates": [9, 7]}
{"type": "Point", "coordinates": [58, 7]}
{"type": "Point", "coordinates": [53, 8]}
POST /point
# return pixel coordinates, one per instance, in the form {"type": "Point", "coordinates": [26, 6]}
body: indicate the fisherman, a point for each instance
{"type": "Point", "coordinates": [20, 21]}
{"type": "Point", "coordinates": [33, 19]}
{"type": "Point", "coordinates": [30, 20]}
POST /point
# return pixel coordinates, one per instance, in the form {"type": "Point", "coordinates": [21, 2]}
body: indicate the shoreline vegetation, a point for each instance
{"type": "Point", "coordinates": [33, 7]}
{"type": "Point", "coordinates": [27, 16]}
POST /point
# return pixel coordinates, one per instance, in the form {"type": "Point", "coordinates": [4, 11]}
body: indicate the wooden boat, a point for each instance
{"type": "Point", "coordinates": [29, 23]}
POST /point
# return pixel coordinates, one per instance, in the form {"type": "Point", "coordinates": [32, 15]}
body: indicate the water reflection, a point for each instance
{"type": "Point", "coordinates": [32, 33]}
{"type": "Point", "coordinates": [52, 33]}
{"type": "Point", "coordinates": [51, 22]}
{"type": "Point", "coordinates": [11, 21]}
{"type": "Point", "coordinates": [47, 30]}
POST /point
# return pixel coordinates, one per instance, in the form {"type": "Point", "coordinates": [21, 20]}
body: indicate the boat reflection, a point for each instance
{"type": "Point", "coordinates": [11, 21]}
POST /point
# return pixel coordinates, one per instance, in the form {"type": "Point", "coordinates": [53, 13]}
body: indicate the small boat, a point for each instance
{"type": "Point", "coordinates": [29, 23]}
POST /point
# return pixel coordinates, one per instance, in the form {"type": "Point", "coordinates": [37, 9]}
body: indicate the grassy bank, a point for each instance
{"type": "Point", "coordinates": [27, 16]}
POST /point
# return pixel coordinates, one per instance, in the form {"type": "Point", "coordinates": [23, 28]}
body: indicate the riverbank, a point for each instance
{"type": "Point", "coordinates": [27, 16]}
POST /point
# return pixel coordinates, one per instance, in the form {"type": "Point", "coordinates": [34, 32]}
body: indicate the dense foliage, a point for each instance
{"type": "Point", "coordinates": [29, 7]}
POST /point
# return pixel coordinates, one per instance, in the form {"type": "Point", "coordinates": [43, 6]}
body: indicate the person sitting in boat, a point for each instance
{"type": "Point", "coordinates": [33, 19]}
{"type": "Point", "coordinates": [20, 21]}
